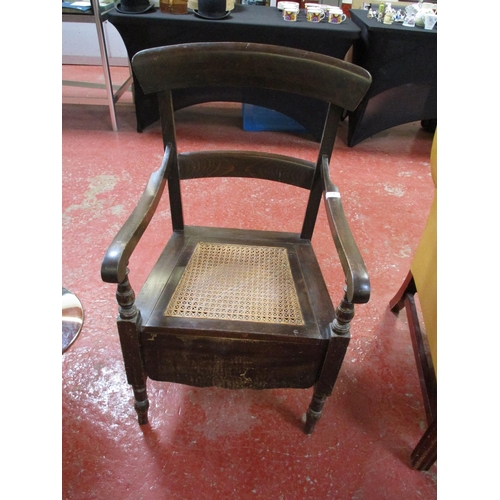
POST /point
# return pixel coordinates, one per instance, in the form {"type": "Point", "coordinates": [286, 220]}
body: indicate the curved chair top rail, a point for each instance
{"type": "Point", "coordinates": [263, 66]}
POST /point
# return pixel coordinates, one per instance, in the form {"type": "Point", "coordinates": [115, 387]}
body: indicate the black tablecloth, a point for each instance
{"type": "Point", "coordinates": [246, 23]}
{"type": "Point", "coordinates": [403, 65]}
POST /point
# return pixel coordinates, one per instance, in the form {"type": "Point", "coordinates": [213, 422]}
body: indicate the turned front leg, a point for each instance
{"type": "Point", "coordinates": [314, 412]}
{"type": "Point", "coordinates": [141, 404]}
{"type": "Point", "coordinates": [335, 354]}
{"type": "Point", "coordinates": [128, 328]}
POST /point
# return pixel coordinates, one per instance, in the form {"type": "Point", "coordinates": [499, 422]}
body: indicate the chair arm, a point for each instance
{"type": "Point", "coordinates": [114, 264]}
{"type": "Point", "coordinates": [358, 282]}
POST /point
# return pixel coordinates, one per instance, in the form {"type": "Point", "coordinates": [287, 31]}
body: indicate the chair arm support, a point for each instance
{"type": "Point", "coordinates": [358, 282]}
{"type": "Point", "coordinates": [114, 264]}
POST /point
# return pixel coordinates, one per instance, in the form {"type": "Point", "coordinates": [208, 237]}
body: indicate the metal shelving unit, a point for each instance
{"type": "Point", "coordinates": [113, 93]}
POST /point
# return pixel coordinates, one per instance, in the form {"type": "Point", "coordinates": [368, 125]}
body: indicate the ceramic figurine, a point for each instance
{"type": "Point", "coordinates": [380, 14]}
{"type": "Point", "coordinates": [398, 16]}
{"type": "Point", "coordinates": [388, 14]}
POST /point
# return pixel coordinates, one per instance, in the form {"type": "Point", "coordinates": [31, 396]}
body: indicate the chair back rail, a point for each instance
{"type": "Point", "coordinates": [280, 168]}
{"type": "Point", "coordinates": [286, 69]}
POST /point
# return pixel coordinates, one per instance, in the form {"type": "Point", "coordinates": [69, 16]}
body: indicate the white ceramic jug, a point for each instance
{"type": "Point", "coordinates": [425, 8]}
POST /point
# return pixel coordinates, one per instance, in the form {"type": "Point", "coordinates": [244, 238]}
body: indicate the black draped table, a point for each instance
{"type": "Point", "coordinates": [246, 23]}
{"type": "Point", "coordinates": [403, 65]}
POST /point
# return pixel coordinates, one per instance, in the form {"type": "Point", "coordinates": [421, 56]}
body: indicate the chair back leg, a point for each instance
{"type": "Point", "coordinates": [425, 453]}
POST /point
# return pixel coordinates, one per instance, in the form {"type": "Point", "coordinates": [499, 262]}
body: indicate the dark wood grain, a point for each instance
{"type": "Point", "coordinates": [228, 64]}
{"type": "Point", "coordinates": [249, 164]}
{"type": "Point", "coordinates": [232, 363]}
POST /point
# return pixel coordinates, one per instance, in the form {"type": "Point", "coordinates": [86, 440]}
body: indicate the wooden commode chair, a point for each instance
{"type": "Point", "coordinates": [239, 308]}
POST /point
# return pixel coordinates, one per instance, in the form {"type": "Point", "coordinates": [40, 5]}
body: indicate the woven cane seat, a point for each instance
{"type": "Point", "coordinates": [237, 282]}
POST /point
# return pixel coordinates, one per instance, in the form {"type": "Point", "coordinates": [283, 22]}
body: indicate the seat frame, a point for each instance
{"type": "Point", "coordinates": [239, 354]}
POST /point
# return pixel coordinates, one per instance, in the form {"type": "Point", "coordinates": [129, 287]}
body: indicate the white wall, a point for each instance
{"type": "Point", "coordinates": [80, 45]}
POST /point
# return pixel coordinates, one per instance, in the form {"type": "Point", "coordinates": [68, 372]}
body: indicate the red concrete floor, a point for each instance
{"type": "Point", "coordinates": [215, 443]}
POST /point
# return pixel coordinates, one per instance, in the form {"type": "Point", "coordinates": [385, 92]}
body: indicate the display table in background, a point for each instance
{"type": "Point", "coordinates": [403, 65]}
{"type": "Point", "coordinates": [246, 23]}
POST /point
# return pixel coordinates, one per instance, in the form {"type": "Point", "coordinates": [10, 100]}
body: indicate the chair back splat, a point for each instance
{"type": "Point", "coordinates": [239, 308]}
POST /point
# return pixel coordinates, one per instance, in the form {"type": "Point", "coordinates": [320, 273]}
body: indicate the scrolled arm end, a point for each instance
{"type": "Point", "coordinates": [358, 286]}
{"type": "Point", "coordinates": [114, 266]}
